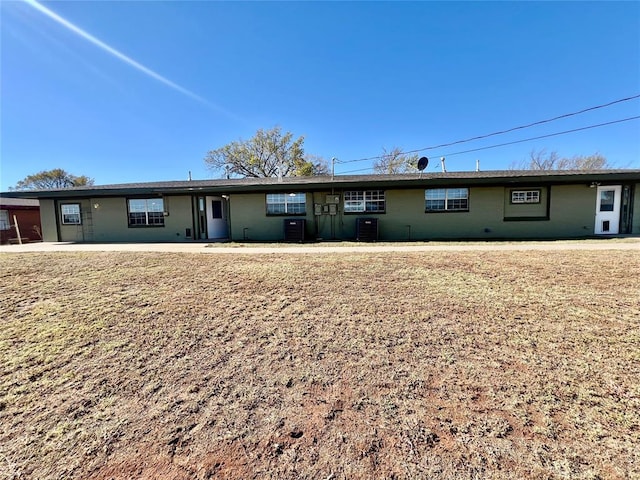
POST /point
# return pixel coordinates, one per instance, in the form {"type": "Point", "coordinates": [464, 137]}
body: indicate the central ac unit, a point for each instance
{"type": "Point", "coordinates": [294, 230]}
{"type": "Point", "coordinates": [367, 229]}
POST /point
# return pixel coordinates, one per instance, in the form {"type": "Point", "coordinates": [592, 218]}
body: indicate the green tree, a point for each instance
{"type": "Point", "coordinates": [52, 179]}
{"type": "Point", "coordinates": [312, 165]}
{"type": "Point", "coordinates": [269, 153]}
{"type": "Point", "coordinates": [395, 161]}
{"type": "Point", "coordinates": [541, 160]}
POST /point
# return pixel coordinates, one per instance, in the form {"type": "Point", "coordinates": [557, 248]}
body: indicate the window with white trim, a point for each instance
{"type": "Point", "coordinates": [446, 199]}
{"type": "Point", "coordinates": [146, 212]}
{"type": "Point", "coordinates": [4, 220]}
{"type": "Point", "coordinates": [70, 214]}
{"type": "Point", "coordinates": [525, 196]}
{"type": "Point", "coordinates": [286, 204]}
{"type": "Point", "coordinates": [371, 201]}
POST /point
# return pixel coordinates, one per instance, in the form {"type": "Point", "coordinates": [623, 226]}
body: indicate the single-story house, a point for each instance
{"type": "Point", "coordinates": [23, 213]}
{"type": "Point", "coordinates": [422, 206]}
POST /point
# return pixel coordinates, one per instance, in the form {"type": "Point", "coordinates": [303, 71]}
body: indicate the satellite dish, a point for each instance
{"type": "Point", "coordinates": [422, 163]}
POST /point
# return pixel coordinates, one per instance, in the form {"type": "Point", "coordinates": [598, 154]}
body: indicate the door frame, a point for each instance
{"type": "Point", "coordinates": [210, 220]}
{"type": "Point", "coordinates": [608, 222]}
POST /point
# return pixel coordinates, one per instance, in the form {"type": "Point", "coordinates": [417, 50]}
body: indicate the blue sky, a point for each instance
{"type": "Point", "coordinates": [351, 77]}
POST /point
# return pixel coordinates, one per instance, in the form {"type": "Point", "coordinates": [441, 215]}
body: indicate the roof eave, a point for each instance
{"type": "Point", "coordinates": [340, 182]}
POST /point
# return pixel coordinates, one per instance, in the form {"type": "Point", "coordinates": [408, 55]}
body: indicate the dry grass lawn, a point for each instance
{"type": "Point", "coordinates": [332, 366]}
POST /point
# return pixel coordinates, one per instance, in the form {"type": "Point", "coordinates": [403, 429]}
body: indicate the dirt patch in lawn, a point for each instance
{"type": "Point", "coordinates": [393, 365]}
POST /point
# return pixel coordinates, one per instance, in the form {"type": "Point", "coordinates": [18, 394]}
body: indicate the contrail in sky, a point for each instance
{"type": "Point", "coordinates": [117, 54]}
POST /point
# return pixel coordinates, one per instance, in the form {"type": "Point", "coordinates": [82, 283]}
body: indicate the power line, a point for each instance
{"type": "Point", "coordinates": [479, 137]}
{"type": "Point", "coordinates": [523, 140]}
{"type": "Point", "coordinates": [546, 136]}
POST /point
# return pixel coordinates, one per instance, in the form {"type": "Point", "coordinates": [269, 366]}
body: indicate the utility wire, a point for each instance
{"type": "Point", "coordinates": [547, 136]}
{"type": "Point", "coordinates": [521, 141]}
{"type": "Point", "coordinates": [479, 137]}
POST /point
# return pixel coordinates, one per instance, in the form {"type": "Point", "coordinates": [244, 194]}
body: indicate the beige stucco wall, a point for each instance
{"type": "Point", "coordinates": [520, 210]}
{"type": "Point", "coordinates": [105, 220]}
{"type": "Point", "coordinates": [249, 219]}
{"type": "Point", "coordinates": [76, 233]}
{"type": "Point", "coordinates": [110, 221]}
{"type": "Point", "coordinates": [572, 213]}
{"type": "Point", "coordinates": [573, 210]}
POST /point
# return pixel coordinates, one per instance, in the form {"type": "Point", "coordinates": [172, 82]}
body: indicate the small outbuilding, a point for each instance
{"type": "Point", "coordinates": [19, 214]}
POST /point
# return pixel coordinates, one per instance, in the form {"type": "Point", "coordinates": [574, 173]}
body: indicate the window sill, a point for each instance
{"type": "Point", "coordinates": [364, 213]}
{"type": "Point", "coordinates": [446, 211]}
{"type": "Point", "coordinates": [146, 226]}
{"type": "Point", "coordinates": [286, 214]}
{"type": "Point", "coordinates": [525, 219]}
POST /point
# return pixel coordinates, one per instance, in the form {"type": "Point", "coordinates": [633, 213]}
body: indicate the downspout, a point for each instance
{"type": "Point", "coordinates": [626, 209]}
{"type": "Point", "coordinates": [632, 194]}
{"type": "Point", "coordinates": [227, 206]}
{"type": "Point", "coordinates": [316, 218]}
{"type": "Point", "coordinates": [195, 232]}
{"type": "Point", "coordinates": [56, 208]}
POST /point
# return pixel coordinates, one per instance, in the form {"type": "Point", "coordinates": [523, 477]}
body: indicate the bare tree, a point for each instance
{"type": "Point", "coordinates": [395, 161]}
{"type": "Point", "coordinates": [541, 160]}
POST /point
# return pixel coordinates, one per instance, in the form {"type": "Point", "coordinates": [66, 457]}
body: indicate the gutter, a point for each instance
{"type": "Point", "coordinates": [324, 183]}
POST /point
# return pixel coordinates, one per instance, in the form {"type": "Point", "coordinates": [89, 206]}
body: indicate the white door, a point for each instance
{"type": "Point", "coordinates": [608, 210]}
{"type": "Point", "coordinates": [217, 218]}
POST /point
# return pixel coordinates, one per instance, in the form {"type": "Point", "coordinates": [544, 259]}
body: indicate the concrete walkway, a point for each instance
{"type": "Point", "coordinates": [346, 247]}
